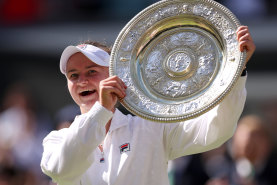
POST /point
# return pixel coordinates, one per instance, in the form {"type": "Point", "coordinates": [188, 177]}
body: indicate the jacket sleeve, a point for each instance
{"type": "Point", "coordinates": [209, 130]}
{"type": "Point", "coordinates": [68, 152]}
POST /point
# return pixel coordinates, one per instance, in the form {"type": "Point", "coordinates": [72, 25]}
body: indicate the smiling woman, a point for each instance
{"type": "Point", "coordinates": [86, 69]}
{"type": "Point", "coordinates": [102, 145]}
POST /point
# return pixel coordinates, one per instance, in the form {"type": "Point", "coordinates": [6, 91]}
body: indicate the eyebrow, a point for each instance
{"type": "Point", "coordinates": [73, 70]}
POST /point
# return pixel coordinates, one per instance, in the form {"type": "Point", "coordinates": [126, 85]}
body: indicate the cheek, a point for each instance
{"type": "Point", "coordinates": [97, 79]}
{"type": "Point", "coordinates": [70, 87]}
{"type": "Point", "coordinates": [105, 74]}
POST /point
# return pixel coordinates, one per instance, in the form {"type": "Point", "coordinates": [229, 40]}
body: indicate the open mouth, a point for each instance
{"type": "Point", "coordinates": [87, 93]}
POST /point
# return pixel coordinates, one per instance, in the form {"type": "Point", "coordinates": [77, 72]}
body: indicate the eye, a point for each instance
{"type": "Point", "coordinates": [91, 71]}
{"type": "Point", "coordinates": [73, 76]}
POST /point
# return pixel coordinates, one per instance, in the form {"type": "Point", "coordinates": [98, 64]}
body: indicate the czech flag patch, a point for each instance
{"type": "Point", "coordinates": [124, 148]}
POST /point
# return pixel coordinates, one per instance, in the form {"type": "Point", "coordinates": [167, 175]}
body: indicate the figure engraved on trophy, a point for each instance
{"type": "Point", "coordinates": [206, 64]}
{"type": "Point", "coordinates": [184, 38]}
{"type": "Point", "coordinates": [185, 8]}
{"type": "Point", "coordinates": [179, 62]}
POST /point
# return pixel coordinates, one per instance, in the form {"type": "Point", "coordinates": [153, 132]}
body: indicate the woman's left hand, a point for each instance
{"type": "Point", "coordinates": [245, 41]}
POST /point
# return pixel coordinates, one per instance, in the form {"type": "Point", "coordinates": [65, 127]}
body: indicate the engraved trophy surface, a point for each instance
{"type": "Point", "coordinates": [179, 58]}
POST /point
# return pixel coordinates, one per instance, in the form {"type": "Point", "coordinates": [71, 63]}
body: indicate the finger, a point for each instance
{"type": "Point", "coordinates": [243, 45]}
{"type": "Point", "coordinates": [116, 91]}
{"type": "Point", "coordinates": [119, 81]}
{"type": "Point", "coordinates": [245, 37]}
{"type": "Point", "coordinates": [242, 33]}
{"type": "Point", "coordinates": [243, 27]}
{"type": "Point", "coordinates": [112, 84]}
{"type": "Point", "coordinates": [246, 44]}
{"type": "Point", "coordinates": [106, 85]}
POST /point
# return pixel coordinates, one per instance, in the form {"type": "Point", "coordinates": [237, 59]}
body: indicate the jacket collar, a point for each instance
{"type": "Point", "coordinates": [118, 120]}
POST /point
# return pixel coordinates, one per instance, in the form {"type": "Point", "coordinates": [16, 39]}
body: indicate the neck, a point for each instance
{"type": "Point", "coordinates": [84, 109]}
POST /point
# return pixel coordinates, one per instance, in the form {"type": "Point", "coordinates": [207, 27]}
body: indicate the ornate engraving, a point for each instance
{"type": "Point", "coordinates": [202, 10]}
{"type": "Point", "coordinates": [180, 77]}
{"type": "Point", "coordinates": [182, 71]}
{"type": "Point", "coordinates": [178, 62]}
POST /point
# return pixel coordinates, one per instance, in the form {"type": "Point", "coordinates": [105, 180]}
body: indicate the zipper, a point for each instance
{"type": "Point", "coordinates": [102, 159]}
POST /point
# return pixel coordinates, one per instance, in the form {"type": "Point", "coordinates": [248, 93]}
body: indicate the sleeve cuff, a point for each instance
{"type": "Point", "coordinates": [100, 113]}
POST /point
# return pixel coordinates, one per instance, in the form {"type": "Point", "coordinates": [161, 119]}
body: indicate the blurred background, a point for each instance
{"type": "Point", "coordinates": [33, 94]}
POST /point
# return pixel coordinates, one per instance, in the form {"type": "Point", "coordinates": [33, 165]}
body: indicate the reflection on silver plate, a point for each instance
{"type": "Point", "coordinates": [179, 58]}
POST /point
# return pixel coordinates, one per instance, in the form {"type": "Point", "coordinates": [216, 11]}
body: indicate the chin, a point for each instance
{"type": "Point", "coordinates": [85, 107]}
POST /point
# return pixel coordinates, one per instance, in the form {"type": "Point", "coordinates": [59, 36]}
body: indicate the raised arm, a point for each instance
{"type": "Point", "coordinates": [216, 126]}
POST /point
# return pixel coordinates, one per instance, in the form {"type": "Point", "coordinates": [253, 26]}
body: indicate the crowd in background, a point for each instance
{"type": "Point", "coordinates": [29, 11]}
{"type": "Point", "coordinates": [249, 158]}
{"type": "Point", "coordinates": [22, 129]}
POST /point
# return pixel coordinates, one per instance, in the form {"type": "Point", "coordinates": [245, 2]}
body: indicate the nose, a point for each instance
{"type": "Point", "coordinates": [83, 80]}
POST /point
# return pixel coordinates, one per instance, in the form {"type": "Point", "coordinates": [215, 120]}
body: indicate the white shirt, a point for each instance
{"type": "Point", "coordinates": [136, 151]}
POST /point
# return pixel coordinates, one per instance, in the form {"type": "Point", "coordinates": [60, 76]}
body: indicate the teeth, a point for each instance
{"type": "Point", "coordinates": [85, 91]}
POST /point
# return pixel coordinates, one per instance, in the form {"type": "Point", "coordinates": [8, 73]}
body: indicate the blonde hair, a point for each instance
{"type": "Point", "coordinates": [99, 45]}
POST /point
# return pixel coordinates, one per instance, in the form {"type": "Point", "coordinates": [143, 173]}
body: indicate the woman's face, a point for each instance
{"type": "Point", "coordinates": [83, 78]}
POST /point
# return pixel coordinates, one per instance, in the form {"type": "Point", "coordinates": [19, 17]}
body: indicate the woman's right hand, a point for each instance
{"type": "Point", "coordinates": [111, 89]}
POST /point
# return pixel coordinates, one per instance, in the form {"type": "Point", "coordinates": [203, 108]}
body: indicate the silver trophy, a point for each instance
{"type": "Point", "coordinates": [179, 59]}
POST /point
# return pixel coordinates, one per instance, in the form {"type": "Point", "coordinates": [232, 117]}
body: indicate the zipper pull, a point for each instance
{"type": "Point", "coordinates": [102, 159]}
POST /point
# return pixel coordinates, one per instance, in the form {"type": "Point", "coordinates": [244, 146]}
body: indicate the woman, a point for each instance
{"type": "Point", "coordinates": [103, 146]}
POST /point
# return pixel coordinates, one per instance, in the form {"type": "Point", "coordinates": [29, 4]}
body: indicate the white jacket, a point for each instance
{"type": "Point", "coordinates": [136, 151]}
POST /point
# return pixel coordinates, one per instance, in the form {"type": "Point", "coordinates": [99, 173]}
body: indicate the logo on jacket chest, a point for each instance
{"type": "Point", "coordinates": [124, 148]}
